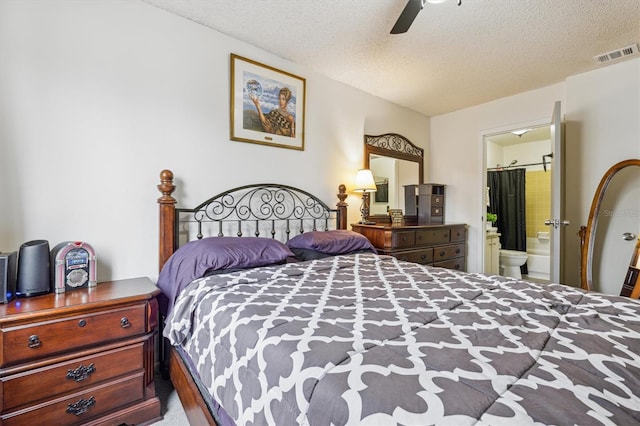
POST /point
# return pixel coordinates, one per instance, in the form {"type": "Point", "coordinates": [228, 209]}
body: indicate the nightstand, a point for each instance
{"type": "Point", "coordinates": [81, 357]}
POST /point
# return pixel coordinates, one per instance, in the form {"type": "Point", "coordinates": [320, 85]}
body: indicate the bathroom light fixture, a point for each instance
{"type": "Point", "coordinates": [365, 184]}
{"type": "Point", "coordinates": [520, 132]}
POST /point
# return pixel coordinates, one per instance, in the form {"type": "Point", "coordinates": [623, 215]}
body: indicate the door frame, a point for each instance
{"type": "Point", "coordinates": [483, 138]}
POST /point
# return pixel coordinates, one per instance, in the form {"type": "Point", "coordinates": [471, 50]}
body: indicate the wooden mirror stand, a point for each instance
{"type": "Point", "coordinates": [587, 233]}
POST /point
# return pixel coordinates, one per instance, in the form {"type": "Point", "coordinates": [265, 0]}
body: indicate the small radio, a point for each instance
{"type": "Point", "coordinates": [73, 265]}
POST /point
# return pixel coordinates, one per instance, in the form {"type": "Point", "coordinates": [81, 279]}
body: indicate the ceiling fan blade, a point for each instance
{"type": "Point", "coordinates": [407, 16]}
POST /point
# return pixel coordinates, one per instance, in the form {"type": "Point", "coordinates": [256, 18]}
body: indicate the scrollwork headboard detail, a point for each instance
{"type": "Point", "coordinates": [260, 210]}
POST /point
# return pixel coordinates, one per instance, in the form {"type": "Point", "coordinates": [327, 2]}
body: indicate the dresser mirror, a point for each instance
{"type": "Point", "coordinates": [394, 162]}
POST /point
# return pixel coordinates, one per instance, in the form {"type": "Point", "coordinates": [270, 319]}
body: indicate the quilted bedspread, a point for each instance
{"type": "Point", "coordinates": [367, 339]}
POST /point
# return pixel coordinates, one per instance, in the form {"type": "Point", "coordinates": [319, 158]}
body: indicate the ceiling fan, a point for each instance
{"type": "Point", "coordinates": [410, 12]}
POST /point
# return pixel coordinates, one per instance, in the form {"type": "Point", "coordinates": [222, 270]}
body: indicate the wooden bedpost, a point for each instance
{"type": "Point", "coordinates": [167, 217]}
{"type": "Point", "coordinates": [342, 207]}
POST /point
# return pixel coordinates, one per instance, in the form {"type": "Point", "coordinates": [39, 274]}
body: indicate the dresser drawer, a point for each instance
{"type": "Point", "coordinates": [457, 264]}
{"type": "Point", "coordinates": [40, 339]}
{"type": "Point", "coordinates": [432, 236]}
{"type": "Point", "coordinates": [458, 233]}
{"type": "Point", "coordinates": [403, 239]}
{"type": "Point", "coordinates": [437, 200]}
{"type": "Point", "coordinates": [424, 256]}
{"type": "Point", "coordinates": [448, 252]}
{"type": "Point", "coordinates": [79, 407]}
{"type": "Point", "coordinates": [71, 376]}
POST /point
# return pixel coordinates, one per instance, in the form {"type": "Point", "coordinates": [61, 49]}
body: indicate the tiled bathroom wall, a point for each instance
{"type": "Point", "coordinates": [538, 205]}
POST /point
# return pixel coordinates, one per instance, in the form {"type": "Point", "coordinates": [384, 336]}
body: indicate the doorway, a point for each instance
{"type": "Point", "coordinates": [529, 150]}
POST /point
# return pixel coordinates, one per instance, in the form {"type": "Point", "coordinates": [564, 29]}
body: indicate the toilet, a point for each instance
{"type": "Point", "coordinates": [511, 261]}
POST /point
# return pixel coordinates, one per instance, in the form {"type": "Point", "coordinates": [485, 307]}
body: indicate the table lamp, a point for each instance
{"type": "Point", "coordinates": [365, 184]}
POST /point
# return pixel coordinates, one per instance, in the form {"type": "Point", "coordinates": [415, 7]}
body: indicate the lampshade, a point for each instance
{"type": "Point", "coordinates": [365, 182]}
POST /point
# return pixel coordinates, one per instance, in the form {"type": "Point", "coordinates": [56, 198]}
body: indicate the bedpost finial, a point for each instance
{"type": "Point", "coordinates": [166, 187]}
{"type": "Point", "coordinates": [342, 194]}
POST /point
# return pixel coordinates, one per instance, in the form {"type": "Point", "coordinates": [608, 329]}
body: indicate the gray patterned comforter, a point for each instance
{"type": "Point", "coordinates": [367, 339]}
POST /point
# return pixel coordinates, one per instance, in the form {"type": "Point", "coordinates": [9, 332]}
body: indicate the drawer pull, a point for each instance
{"type": "Point", "coordinates": [82, 323]}
{"type": "Point", "coordinates": [457, 251]}
{"type": "Point", "coordinates": [81, 406]}
{"type": "Point", "coordinates": [442, 253]}
{"type": "Point", "coordinates": [124, 322]}
{"type": "Point", "coordinates": [423, 257]}
{"type": "Point", "coordinates": [34, 341]}
{"type": "Point", "coordinates": [81, 373]}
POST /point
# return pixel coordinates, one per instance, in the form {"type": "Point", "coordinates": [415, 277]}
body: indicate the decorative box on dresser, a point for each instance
{"type": "Point", "coordinates": [442, 245]}
{"type": "Point", "coordinates": [81, 357]}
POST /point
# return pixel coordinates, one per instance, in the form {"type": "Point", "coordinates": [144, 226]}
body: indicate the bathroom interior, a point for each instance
{"type": "Point", "coordinates": [517, 244]}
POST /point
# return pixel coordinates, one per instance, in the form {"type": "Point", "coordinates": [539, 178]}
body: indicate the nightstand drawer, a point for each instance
{"type": "Point", "coordinates": [417, 256]}
{"type": "Point", "coordinates": [403, 239]}
{"type": "Point", "coordinates": [448, 252]}
{"type": "Point", "coordinates": [71, 376]}
{"type": "Point", "coordinates": [79, 407]}
{"type": "Point", "coordinates": [37, 340]}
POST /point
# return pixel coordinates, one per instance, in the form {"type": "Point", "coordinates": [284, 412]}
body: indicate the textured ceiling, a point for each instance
{"type": "Point", "coordinates": [452, 56]}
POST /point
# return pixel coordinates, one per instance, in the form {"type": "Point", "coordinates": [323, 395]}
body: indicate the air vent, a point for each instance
{"type": "Point", "coordinates": [616, 54]}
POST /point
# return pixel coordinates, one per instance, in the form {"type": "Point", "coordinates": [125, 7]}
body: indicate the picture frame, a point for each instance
{"type": "Point", "coordinates": [396, 216]}
{"type": "Point", "coordinates": [382, 194]}
{"type": "Point", "coordinates": [267, 105]}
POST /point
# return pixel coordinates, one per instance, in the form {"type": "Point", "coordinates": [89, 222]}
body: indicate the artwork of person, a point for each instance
{"type": "Point", "coordinates": [279, 121]}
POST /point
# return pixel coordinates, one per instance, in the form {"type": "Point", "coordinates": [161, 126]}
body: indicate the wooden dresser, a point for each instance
{"type": "Point", "coordinates": [81, 357]}
{"type": "Point", "coordinates": [442, 245]}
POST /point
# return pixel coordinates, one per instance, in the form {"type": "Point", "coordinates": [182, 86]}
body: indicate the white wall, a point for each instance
{"type": "Point", "coordinates": [601, 110]}
{"type": "Point", "coordinates": [99, 96]}
{"type": "Point", "coordinates": [457, 157]}
{"type": "Point", "coordinates": [528, 153]}
{"type": "Point", "coordinates": [603, 128]}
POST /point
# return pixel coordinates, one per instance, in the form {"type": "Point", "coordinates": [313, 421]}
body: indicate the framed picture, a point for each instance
{"type": "Point", "coordinates": [382, 194]}
{"type": "Point", "coordinates": [396, 216]}
{"type": "Point", "coordinates": [267, 105]}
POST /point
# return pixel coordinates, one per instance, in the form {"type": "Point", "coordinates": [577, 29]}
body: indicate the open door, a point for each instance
{"type": "Point", "coordinates": [556, 222]}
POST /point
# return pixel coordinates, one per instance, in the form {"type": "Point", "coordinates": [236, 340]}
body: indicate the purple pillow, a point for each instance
{"type": "Point", "coordinates": [192, 260]}
{"type": "Point", "coordinates": [340, 241]}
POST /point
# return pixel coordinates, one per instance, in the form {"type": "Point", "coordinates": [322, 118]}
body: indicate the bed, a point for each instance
{"type": "Point", "coordinates": [336, 334]}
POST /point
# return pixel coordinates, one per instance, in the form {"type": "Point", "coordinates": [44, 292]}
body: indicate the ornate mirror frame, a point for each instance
{"type": "Point", "coordinates": [587, 233]}
{"type": "Point", "coordinates": [396, 146]}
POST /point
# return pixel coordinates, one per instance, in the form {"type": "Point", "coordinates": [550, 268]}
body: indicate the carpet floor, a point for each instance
{"type": "Point", "coordinates": [171, 407]}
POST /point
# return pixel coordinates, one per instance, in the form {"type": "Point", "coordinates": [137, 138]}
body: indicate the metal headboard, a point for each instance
{"type": "Point", "coordinates": [260, 210]}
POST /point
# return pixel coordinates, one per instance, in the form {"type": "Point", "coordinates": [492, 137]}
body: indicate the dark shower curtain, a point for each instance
{"type": "Point", "coordinates": [507, 200]}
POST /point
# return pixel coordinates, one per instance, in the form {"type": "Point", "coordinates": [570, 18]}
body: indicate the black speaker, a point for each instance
{"type": "Point", "coordinates": [34, 272]}
{"type": "Point", "coordinates": [8, 276]}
